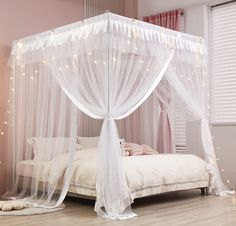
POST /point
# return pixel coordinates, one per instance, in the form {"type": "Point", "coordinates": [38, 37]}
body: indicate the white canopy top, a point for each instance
{"type": "Point", "coordinates": [117, 25]}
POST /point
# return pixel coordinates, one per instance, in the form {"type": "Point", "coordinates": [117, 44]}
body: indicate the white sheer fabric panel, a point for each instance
{"type": "Point", "coordinates": [142, 125]}
{"type": "Point", "coordinates": [187, 74]}
{"type": "Point", "coordinates": [42, 130]}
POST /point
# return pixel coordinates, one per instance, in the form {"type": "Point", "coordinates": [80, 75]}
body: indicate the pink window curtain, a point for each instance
{"type": "Point", "coordinates": [169, 19]}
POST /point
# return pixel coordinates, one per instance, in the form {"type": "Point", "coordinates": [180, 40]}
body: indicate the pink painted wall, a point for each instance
{"type": "Point", "coordinates": [20, 18]}
{"type": "Point", "coordinates": [131, 8]}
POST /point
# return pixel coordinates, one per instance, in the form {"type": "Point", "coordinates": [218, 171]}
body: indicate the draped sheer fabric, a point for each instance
{"type": "Point", "coordinates": [106, 67]}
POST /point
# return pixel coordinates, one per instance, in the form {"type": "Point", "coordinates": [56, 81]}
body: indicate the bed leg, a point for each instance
{"type": "Point", "coordinates": [204, 191]}
{"type": "Point", "coordinates": [207, 190]}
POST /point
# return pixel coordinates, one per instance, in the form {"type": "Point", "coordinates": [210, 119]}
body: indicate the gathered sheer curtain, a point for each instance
{"type": "Point", "coordinates": [106, 67]}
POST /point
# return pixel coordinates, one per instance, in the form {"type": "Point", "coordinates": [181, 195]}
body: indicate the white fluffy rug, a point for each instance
{"type": "Point", "coordinates": [31, 211]}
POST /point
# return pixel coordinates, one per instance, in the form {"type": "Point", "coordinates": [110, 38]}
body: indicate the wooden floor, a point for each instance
{"type": "Point", "coordinates": [186, 208]}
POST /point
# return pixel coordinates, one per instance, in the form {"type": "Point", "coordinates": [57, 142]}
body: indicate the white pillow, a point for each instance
{"type": "Point", "coordinates": [88, 142]}
{"type": "Point", "coordinates": [91, 142]}
{"type": "Point", "coordinates": [45, 148]}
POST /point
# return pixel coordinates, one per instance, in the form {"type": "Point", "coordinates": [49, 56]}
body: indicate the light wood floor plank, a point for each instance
{"type": "Point", "coordinates": [187, 208]}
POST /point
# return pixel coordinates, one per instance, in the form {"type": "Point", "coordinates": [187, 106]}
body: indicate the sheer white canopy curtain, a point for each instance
{"type": "Point", "coordinates": [106, 67]}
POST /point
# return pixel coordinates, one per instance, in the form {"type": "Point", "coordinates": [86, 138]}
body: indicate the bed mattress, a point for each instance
{"type": "Point", "coordinates": [145, 174]}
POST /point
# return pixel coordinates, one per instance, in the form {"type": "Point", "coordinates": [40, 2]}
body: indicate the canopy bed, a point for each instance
{"type": "Point", "coordinates": [106, 67]}
{"type": "Point", "coordinates": [145, 174]}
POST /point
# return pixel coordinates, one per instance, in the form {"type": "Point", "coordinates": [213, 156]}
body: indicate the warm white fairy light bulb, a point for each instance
{"type": "Point", "coordinates": [11, 78]}
{"type": "Point", "coordinates": [59, 68]}
{"type": "Point", "coordinates": [19, 44]}
{"type": "Point", "coordinates": [5, 122]}
{"type": "Point", "coordinates": [95, 62]}
{"type": "Point", "coordinates": [23, 74]}
{"type": "Point", "coordinates": [31, 77]}
{"type": "Point", "coordinates": [36, 71]}
{"type": "Point", "coordinates": [67, 66]}
{"type": "Point", "coordinates": [89, 53]}
{"type": "Point", "coordinates": [228, 181]}
{"type": "Point", "coordinates": [2, 133]}
{"type": "Point", "coordinates": [104, 62]}
{"type": "Point", "coordinates": [8, 101]}
{"type": "Point", "coordinates": [12, 89]}
{"type": "Point", "coordinates": [53, 58]}
{"type": "Point", "coordinates": [114, 59]}
{"type": "Point", "coordinates": [44, 61]}
{"type": "Point", "coordinates": [141, 61]}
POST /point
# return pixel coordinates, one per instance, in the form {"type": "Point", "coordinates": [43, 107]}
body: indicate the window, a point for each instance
{"type": "Point", "coordinates": [180, 123]}
{"type": "Point", "coordinates": [223, 64]}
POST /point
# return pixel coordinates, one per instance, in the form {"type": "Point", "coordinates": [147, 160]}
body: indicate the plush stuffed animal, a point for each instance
{"type": "Point", "coordinates": [12, 205]}
{"type": "Point", "coordinates": [7, 206]}
{"type": "Point", "coordinates": [1, 204]}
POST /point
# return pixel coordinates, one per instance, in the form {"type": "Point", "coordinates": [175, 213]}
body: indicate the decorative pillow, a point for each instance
{"type": "Point", "coordinates": [45, 148]}
{"type": "Point", "coordinates": [132, 149]}
{"type": "Point", "coordinates": [88, 142]}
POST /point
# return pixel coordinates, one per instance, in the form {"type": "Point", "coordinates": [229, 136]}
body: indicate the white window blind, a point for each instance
{"type": "Point", "coordinates": [180, 123]}
{"type": "Point", "coordinates": [180, 130]}
{"type": "Point", "coordinates": [223, 64]}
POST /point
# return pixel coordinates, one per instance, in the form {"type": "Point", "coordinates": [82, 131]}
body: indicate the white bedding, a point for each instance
{"type": "Point", "coordinates": [145, 174]}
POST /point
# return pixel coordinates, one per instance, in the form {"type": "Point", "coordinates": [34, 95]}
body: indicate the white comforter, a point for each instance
{"type": "Point", "coordinates": [141, 171]}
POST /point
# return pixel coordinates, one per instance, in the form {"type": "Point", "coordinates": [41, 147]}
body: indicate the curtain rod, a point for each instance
{"type": "Point", "coordinates": [222, 3]}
